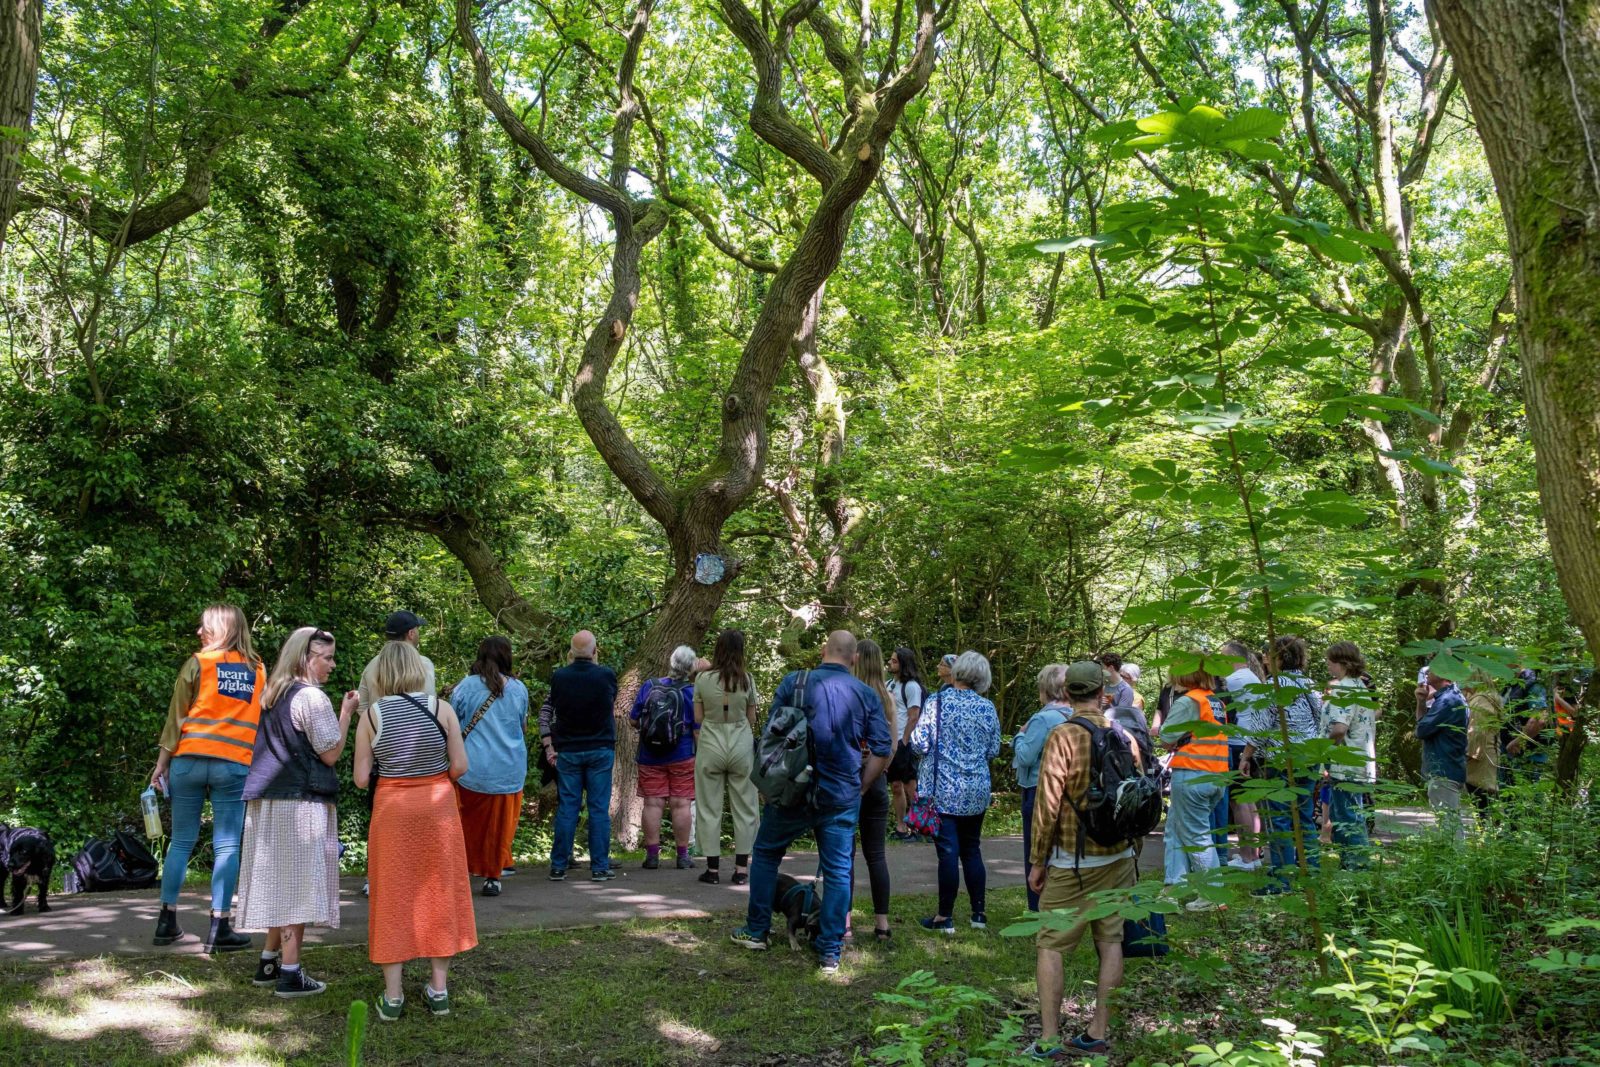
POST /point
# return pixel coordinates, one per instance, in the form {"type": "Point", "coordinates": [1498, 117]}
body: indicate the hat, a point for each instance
{"type": "Point", "coordinates": [1085, 679]}
{"type": "Point", "coordinates": [1131, 670]}
{"type": "Point", "coordinates": [400, 623]}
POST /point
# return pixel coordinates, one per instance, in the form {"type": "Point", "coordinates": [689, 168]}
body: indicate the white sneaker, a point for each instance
{"type": "Point", "coordinates": [1201, 904]}
{"type": "Point", "coordinates": [1244, 865]}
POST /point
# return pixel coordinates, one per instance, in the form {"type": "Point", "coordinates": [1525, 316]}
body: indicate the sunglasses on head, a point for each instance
{"type": "Point", "coordinates": [319, 637]}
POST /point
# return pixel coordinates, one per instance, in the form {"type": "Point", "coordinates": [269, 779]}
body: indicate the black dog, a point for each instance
{"type": "Point", "coordinates": [28, 856]}
{"type": "Point", "coordinates": [800, 903]}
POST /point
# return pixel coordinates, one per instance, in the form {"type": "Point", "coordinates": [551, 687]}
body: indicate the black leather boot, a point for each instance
{"type": "Point", "coordinates": [167, 926]}
{"type": "Point", "coordinates": [222, 937]}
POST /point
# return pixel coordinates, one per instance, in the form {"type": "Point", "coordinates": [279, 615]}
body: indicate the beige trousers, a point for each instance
{"type": "Point", "coordinates": [723, 761]}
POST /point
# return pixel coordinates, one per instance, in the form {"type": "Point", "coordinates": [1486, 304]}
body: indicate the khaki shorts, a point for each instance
{"type": "Point", "coordinates": [1062, 889]}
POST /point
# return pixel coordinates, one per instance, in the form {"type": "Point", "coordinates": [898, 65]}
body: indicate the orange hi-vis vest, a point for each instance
{"type": "Point", "coordinates": [1208, 753]}
{"type": "Point", "coordinates": [222, 720]}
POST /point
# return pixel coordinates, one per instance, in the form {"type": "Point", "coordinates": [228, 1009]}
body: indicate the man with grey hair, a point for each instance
{"type": "Point", "coordinates": [580, 739]}
{"type": "Point", "coordinates": [845, 718]}
{"type": "Point", "coordinates": [663, 713]}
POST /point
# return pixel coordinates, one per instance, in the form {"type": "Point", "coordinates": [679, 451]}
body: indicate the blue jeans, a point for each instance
{"type": "Point", "coordinates": [1028, 795]}
{"type": "Point", "coordinates": [1279, 824]}
{"type": "Point", "coordinates": [1221, 819]}
{"type": "Point", "coordinates": [1187, 844]}
{"type": "Point", "coordinates": [580, 774]}
{"type": "Point", "coordinates": [1349, 827]}
{"type": "Point", "coordinates": [959, 845]}
{"type": "Point", "coordinates": [835, 831]}
{"type": "Point", "coordinates": [190, 779]}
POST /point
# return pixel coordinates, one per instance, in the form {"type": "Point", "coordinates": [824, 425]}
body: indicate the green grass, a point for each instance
{"type": "Point", "coordinates": [638, 993]}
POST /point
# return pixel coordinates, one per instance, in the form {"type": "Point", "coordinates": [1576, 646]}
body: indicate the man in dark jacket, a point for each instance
{"type": "Point", "coordinates": [580, 738]}
{"type": "Point", "coordinates": [846, 719]}
{"type": "Point", "coordinates": [1442, 729]}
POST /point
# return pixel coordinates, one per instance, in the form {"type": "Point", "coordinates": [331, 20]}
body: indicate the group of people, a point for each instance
{"type": "Point", "coordinates": [890, 759]}
{"type": "Point", "coordinates": [262, 747]}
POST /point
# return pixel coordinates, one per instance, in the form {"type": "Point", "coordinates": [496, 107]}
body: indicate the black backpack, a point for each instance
{"type": "Point", "coordinates": [1123, 802]}
{"type": "Point", "coordinates": [661, 722]}
{"type": "Point", "coordinates": [783, 770]}
{"type": "Point", "coordinates": [122, 862]}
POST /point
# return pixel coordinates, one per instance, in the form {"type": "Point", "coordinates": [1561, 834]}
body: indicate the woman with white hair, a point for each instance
{"type": "Point", "coordinates": [663, 713]}
{"type": "Point", "coordinates": [957, 739]}
{"type": "Point", "coordinates": [1028, 746]}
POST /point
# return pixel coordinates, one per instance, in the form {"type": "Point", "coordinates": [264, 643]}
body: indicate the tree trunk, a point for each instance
{"type": "Point", "coordinates": [1531, 69]}
{"type": "Point", "coordinates": [21, 24]}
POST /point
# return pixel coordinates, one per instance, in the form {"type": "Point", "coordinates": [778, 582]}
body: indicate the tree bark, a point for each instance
{"type": "Point", "coordinates": [21, 25]}
{"type": "Point", "coordinates": [693, 513]}
{"type": "Point", "coordinates": [1531, 71]}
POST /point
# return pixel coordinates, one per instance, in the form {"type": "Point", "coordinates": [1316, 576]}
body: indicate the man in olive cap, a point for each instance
{"type": "Point", "coordinates": [399, 626]}
{"type": "Point", "coordinates": [1065, 879]}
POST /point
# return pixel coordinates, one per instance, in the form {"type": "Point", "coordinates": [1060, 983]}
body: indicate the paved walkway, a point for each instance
{"type": "Point", "coordinates": [95, 924]}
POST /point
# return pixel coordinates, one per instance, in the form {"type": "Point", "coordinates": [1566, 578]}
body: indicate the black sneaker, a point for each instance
{"type": "Point", "coordinates": [267, 972]}
{"type": "Point", "coordinates": [685, 863]}
{"type": "Point", "coordinates": [980, 920]}
{"type": "Point", "coordinates": [298, 983]}
{"type": "Point", "coordinates": [602, 876]}
{"type": "Point", "coordinates": [651, 863]}
{"type": "Point", "coordinates": [557, 876]}
{"type": "Point", "coordinates": [491, 887]}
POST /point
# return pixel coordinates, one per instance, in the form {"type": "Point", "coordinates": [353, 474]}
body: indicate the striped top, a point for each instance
{"type": "Point", "coordinates": [408, 741]}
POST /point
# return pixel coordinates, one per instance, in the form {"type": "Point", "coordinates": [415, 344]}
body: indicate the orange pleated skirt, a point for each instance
{"type": "Point", "coordinates": [420, 902]}
{"type": "Point", "coordinates": [489, 822]}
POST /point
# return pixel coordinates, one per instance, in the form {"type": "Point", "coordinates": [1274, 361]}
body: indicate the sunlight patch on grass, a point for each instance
{"type": "Point", "coordinates": [687, 1036]}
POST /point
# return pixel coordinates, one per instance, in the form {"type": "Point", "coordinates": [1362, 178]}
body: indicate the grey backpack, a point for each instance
{"type": "Point", "coordinates": [783, 770]}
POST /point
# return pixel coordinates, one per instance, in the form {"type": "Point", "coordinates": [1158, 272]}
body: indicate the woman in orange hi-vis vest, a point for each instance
{"type": "Point", "coordinates": [206, 748]}
{"type": "Point", "coordinates": [1196, 754]}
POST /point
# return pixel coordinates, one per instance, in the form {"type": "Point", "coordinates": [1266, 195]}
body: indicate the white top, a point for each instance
{"type": "Point", "coordinates": [905, 698]}
{"type": "Point", "coordinates": [1361, 727]}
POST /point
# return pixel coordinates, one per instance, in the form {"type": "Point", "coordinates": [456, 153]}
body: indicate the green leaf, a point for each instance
{"type": "Point", "coordinates": [1252, 124]}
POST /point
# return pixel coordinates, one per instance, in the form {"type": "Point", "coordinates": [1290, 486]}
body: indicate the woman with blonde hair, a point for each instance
{"type": "Point", "coordinates": [873, 821]}
{"type": "Point", "coordinates": [206, 748]}
{"type": "Point", "coordinates": [290, 877]}
{"type": "Point", "coordinates": [409, 748]}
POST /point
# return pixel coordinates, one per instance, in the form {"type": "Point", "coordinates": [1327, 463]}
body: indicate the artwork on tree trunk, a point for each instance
{"type": "Point", "coordinates": [709, 568]}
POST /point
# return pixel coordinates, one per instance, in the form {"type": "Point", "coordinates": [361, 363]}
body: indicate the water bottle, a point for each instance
{"type": "Point", "coordinates": [152, 812]}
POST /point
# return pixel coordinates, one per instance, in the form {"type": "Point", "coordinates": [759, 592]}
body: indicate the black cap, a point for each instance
{"type": "Point", "coordinates": [400, 623]}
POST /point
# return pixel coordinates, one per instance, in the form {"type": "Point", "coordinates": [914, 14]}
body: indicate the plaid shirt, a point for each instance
{"type": "Point", "coordinates": [1064, 772]}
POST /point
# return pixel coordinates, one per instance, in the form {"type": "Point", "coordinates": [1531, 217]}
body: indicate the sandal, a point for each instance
{"type": "Point", "coordinates": [882, 936]}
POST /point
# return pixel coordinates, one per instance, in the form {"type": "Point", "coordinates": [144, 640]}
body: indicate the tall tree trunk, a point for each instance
{"type": "Point", "coordinates": [1531, 69]}
{"type": "Point", "coordinates": [21, 24]}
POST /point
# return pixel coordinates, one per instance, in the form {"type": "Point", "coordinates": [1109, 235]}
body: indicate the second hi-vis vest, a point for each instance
{"type": "Point", "coordinates": [1203, 753]}
{"type": "Point", "coordinates": [222, 721]}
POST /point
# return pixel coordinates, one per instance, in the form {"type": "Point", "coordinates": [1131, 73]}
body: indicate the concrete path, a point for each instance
{"type": "Point", "coordinates": [95, 924]}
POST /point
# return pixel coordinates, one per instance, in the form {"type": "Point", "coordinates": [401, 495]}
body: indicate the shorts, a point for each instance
{"type": "Point", "coordinates": [903, 765]}
{"type": "Point", "coordinates": [667, 779]}
{"type": "Point", "coordinates": [1062, 889]}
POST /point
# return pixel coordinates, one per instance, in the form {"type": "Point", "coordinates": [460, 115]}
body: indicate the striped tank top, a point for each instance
{"type": "Point", "coordinates": [408, 741]}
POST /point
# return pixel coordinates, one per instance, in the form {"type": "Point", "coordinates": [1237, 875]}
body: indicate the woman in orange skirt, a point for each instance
{"type": "Point", "coordinates": [420, 904]}
{"type": "Point", "coordinates": [494, 710]}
